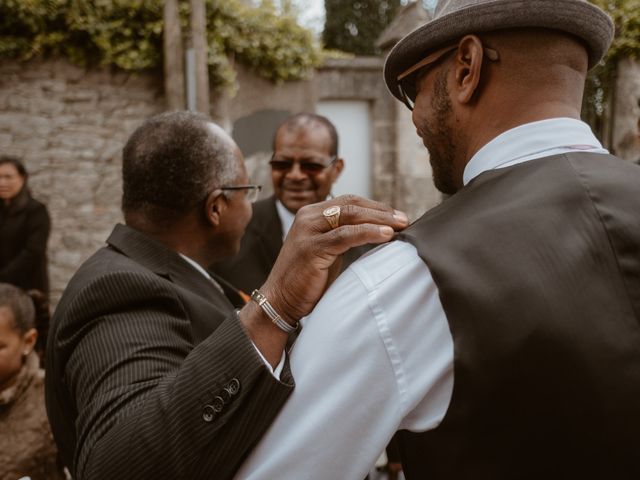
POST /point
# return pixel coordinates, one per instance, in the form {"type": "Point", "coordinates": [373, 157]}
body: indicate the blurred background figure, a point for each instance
{"type": "Point", "coordinates": [26, 444]}
{"type": "Point", "coordinates": [304, 166]}
{"type": "Point", "coordinates": [24, 230]}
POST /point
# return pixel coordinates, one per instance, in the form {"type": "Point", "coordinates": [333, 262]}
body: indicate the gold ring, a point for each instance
{"type": "Point", "coordinates": [332, 214]}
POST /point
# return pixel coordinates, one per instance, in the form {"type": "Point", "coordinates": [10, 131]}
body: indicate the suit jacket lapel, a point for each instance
{"type": "Point", "coordinates": [269, 229]}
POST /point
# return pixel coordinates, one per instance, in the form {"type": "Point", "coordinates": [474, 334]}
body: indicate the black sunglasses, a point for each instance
{"type": "Point", "coordinates": [308, 167]}
{"type": "Point", "coordinates": [407, 80]}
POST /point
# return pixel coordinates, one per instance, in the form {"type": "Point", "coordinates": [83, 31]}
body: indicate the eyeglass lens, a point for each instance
{"type": "Point", "coordinates": [251, 192]}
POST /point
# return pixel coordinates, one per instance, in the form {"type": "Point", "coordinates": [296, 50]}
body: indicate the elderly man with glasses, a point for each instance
{"type": "Point", "coordinates": [501, 332]}
{"type": "Point", "coordinates": [151, 373]}
{"type": "Point", "coordinates": [304, 166]}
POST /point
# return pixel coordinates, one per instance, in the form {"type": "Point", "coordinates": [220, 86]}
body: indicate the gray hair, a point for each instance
{"type": "Point", "coordinates": [172, 162]}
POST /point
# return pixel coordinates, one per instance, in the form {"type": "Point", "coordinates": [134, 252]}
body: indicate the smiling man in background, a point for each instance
{"type": "Point", "coordinates": [304, 167]}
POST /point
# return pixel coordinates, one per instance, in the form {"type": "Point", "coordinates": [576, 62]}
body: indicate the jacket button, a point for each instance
{"type": "Point", "coordinates": [226, 396]}
{"type": "Point", "coordinates": [217, 404]}
{"type": "Point", "coordinates": [208, 413]}
{"type": "Point", "coordinates": [233, 387]}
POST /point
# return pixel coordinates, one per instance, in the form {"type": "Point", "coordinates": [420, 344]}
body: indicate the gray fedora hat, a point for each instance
{"type": "Point", "coordinates": [455, 18]}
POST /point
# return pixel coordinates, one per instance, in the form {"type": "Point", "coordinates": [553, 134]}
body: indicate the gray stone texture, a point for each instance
{"type": "Point", "coordinates": [626, 122]}
{"type": "Point", "coordinates": [69, 125]}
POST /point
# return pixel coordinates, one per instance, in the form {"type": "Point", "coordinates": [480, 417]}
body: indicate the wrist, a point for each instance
{"type": "Point", "coordinates": [286, 311]}
{"type": "Point", "coordinates": [263, 302]}
{"type": "Point", "coordinates": [267, 338]}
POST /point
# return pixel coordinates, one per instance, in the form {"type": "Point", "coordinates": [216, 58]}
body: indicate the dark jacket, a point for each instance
{"type": "Point", "coordinates": [24, 231]}
{"type": "Point", "coordinates": [538, 270]}
{"type": "Point", "coordinates": [150, 375]}
{"type": "Point", "coordinates": [260, 247]}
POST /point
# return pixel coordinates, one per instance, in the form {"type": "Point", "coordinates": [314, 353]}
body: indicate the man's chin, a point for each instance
{"type": "Point", "coordinates": [294, 202]}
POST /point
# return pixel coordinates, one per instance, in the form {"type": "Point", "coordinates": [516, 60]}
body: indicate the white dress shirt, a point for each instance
{"type": "Point", "coordinates": [286, 218]}
{"type": "Point", "coordinates": [376, 354]}
{"type": "Point", "coordinates": [275, 371]}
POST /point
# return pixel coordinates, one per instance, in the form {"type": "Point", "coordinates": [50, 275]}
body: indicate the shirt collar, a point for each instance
{"type": "Point", "coordinates": [530, 141]}
{"type": "Point", "coordinates": [199, 268]}
{"type": "Point", "coordinates": [286, 218]}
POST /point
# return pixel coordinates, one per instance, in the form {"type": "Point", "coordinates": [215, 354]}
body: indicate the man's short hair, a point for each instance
{"type": "Point", "coordinates": [301, 121]}
{"type": "Point", "coordinates": [171, 163]}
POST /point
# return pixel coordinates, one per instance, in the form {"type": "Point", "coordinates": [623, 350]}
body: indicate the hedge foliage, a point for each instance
{"type": "Point", "coordinates": [354, 27]}
{"type": "Point", "coordinates": [127, 34]}
{"type": "Point", "coordinates": [626, 16]}
{"type": "Point", "coordinates": [626, 44]}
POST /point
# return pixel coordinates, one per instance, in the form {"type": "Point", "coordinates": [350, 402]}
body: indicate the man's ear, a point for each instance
{"type": "Point", "coordinates": [468, 68]}
{"type": "Point", "coordinates": [214, 207]}
{"type": "Point", "coordinates": [338, 165]}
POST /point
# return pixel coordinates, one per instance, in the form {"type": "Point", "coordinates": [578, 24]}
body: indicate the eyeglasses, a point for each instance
{"type": "Point", "coordinates": [407, 80]}
{"type": "Point", "coordinates": [252, 191]}
{"type": "Point", "coordinates": [308, 167]}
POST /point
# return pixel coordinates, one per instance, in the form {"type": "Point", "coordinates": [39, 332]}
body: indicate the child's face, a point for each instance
{"type": "Point", "coordinates": [12, 347]}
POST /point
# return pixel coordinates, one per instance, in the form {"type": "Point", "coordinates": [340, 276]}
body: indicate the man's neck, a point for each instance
{"type": "Point", "coordinates": [490, 127]}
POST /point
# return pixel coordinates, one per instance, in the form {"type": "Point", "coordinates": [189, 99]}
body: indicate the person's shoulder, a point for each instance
{"type": "Point", "coordinates": [264, 207]}
{"type": "Point", "coordinates": [36, 207]}
{"type": "Point", "coordinates": [265, 203]}
{"type": "Point", "coordinates": [386, 261]}
{"type": "Point", "coordinates": [110, 272]}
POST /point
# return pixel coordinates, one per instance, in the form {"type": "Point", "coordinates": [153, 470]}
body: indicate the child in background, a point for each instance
{"type": "Point", "coordinates": [26, 444]}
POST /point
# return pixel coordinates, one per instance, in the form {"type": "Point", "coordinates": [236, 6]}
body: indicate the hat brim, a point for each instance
{"type": "Point", "coordinates": [582, 19]}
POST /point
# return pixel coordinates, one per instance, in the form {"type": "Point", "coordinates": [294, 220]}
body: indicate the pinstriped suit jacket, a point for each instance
{"type": "Point", "coordinates": [142, 353]}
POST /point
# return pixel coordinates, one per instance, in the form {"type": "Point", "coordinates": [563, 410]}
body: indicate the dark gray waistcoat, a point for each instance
{"type": "Point", "coordinates": [538, 270]}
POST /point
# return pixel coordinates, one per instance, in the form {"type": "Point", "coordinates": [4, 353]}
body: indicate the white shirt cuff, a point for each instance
{"type": "Point", "coordinates": [276, 372]}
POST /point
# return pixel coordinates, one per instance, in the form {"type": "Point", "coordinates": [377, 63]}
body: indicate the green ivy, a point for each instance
{"type": "Point", "coordinates": [626, 44]}
{"type": "Point", "coordinates": [626, 16]}
{"type": "Point", "coordinates": [127, 34]}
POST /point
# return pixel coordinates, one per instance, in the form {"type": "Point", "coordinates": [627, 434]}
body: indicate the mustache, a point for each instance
{"type": "Point", "coordinates": [297, 184]}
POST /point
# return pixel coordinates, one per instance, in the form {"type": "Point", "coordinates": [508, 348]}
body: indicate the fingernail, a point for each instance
{"type": "Point", "coordinates": [386, 231]}
{"type": "Point", "coordinates": [400, 216]}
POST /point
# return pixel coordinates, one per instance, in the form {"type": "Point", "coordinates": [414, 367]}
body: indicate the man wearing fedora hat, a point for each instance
{"type": "Point", "coordinates": [501, 333]}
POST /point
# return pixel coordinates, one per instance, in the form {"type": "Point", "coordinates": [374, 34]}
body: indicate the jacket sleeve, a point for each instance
{"type": "Point", "coordinates": [150, 404]}
{"type": "Point", "coordinates": [38, 226]}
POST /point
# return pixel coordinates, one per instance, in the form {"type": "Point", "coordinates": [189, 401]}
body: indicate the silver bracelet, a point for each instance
{"type": "Point", "coordinates": [277, 320]}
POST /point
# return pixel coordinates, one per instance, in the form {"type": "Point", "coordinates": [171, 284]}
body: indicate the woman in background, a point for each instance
{"type": "Point", "coordinates": [27, 448]}
{"type": "Point", "coordinates": [24, 230]}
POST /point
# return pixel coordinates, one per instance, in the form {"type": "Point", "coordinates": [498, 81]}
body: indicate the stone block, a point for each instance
{"type": "Point", "coordinates": [45, 106]}
{"type": "Point", "coordinates": [18, 104]}
{"type": "Point", "coordinates": [53, 86]}
{"type": "Point", "coordinates": [78, 95]}
{"type": "Point", "coordinates": [418, 195]}
{"type": "Point", "coordinates": [6, 140]}
{"type": "Point", "coordinates": [33, 143]}
{"type": "Point", "coordinates": [76, 141]}
{"type": "Point", "coordinates": [62, 69]}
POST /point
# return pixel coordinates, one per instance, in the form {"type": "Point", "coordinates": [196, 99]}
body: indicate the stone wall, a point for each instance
{"type": "Point", "coordinates": [626, 121]}
{"type": "Point", "coordinates": [69, 126]}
